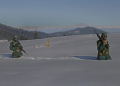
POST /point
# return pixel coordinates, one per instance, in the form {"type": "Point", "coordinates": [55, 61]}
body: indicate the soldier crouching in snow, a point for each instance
{"type": "Point", "coordinates": [16, 47]}
{"type": "Point", "coordinates": [103, 48]}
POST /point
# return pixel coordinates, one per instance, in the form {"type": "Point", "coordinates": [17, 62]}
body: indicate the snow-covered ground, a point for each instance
{"type": "Point", "coordinates": [70, 61]}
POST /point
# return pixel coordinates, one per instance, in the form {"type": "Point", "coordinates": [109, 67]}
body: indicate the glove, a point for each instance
{"type": "Point", "coordinates": [107, 46]}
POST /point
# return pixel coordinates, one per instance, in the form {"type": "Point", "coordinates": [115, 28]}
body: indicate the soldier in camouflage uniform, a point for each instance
{"type": "Point", "coordinates": [103, 48]}
{"type": "Point", "coordinates": [16, 47]}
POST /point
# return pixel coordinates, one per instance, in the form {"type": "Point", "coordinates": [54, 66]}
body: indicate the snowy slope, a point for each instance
{"type": "Point", "coordinates": [70, 61]}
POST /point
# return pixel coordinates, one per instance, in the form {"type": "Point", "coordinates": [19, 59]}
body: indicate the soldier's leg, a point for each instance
{"type": "Point", "coordinates": [17, 54]}
{"type": "Point", "coordinates": [14, 56]}
{"type": "Point", "coordinates": [108, 57]}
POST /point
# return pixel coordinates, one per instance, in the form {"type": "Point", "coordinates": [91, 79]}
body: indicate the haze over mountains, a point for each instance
{"type": "Point", "coordinates": [54, 29]}
{"type": "Point", "coordinates": [109, 29]}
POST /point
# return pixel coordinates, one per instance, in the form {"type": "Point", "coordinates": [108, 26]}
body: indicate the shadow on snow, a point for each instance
{"type": "Point", "coordinates": [78, 57]}
{"type": "Point", "coordinates": [6, 55]}
{"type": "Point", "coordinates": [86, 57]}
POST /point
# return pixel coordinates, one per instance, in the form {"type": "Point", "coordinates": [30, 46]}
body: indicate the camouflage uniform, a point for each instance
{"type": "Point", "coordinates": [16, 47]}
{"type": "Point", "coordinates": [103, 49]}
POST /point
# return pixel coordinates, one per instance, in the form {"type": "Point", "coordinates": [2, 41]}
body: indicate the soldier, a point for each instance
{"type": "Point", "coordinates": [103, 48]}
{"type": "Point", "coordinates": [16, 47]}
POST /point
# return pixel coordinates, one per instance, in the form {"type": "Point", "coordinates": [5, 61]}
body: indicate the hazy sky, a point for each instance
{"type": "Point", "coordinates": [42, 13]}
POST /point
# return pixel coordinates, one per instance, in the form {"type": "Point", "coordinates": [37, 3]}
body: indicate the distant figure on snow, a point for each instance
{"type": "Point", "coordinates": [48, 43]}
{"type": "Point", "coordinates": [103, 48]}
{"type": "Point", "coordinates": [16, 47]}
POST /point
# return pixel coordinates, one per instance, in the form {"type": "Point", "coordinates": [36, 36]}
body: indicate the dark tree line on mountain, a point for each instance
{"type": "Point", "coordinates": [7, 32]}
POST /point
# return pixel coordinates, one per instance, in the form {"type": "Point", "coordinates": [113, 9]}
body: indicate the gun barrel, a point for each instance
{"type": "Point", "coordinates": [97, 35]}
{"type": "Point", "coordinates": [25, 52]}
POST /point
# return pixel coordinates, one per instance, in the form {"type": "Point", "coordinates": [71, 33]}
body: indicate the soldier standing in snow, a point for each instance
{"type": "Point", "coordinates": [103, 48]}
{"type": "Point", "coordinates": [16, 47]}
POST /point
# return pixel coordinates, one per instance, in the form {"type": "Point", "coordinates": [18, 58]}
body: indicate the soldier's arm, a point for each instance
{"type": "Point", "coordinates": [12, 47]}
{"type": "Point", "coordinates": [100, 46]}
{"type": "Point", "coordinates": [20, 46]}
{"type": "Point", "coordinates": [107, 45]}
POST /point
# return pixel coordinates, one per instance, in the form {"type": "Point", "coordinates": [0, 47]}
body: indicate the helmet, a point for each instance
{"type": "Point", "coordinates": [15, 38]}
{"type": "Point", "coordinates": [104, 35]}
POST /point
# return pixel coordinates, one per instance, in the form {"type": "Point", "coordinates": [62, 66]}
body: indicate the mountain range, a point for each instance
{"type": "Point", "coordinates": [78, 31]}
{"type": "Point", "coordinates": [7, 32]}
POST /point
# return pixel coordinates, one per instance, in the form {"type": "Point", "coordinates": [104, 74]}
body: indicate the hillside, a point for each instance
{"type": "Point", "coordinates": [70, 61]}
{"type": "Point", "coordinates": [7, 32]}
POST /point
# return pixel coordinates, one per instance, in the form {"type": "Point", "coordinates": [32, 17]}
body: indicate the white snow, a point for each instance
{"type": "Point", "coordinates": [3, 41]}
{"type": "Point", "coordinates": [70, 61]}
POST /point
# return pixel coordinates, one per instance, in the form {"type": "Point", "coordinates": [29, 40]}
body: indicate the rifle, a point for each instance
{"type": "Point", "coordinates": [21, 49]}
{"type": "Point", "coordinates": [98, 35]}
{"type": "Point", "coordinates": [24, 52]}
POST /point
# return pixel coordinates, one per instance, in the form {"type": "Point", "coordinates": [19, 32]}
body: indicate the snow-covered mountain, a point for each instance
{"type": "Point", "coordinates": [70, 61]}
{"type": "Point", "coordinates": [78, 31]}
